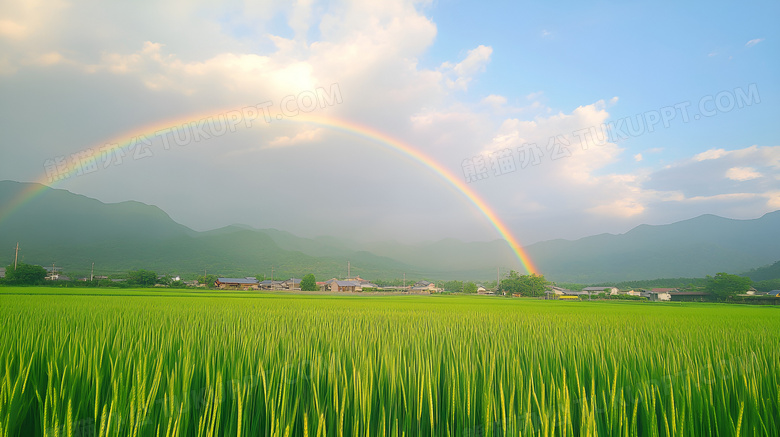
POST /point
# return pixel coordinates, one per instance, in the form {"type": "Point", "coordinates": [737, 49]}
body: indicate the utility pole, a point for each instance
{"type": "Point", "coordinates": [498, 278]}
{"type": "Point", "coordinates": [92, 273]}
{"type": "Point", "coordinates": [16, 257]}
{"type": "Point", "coordinates": [349, 275]}
{"type": "Point", "coordinates": [404, 280]}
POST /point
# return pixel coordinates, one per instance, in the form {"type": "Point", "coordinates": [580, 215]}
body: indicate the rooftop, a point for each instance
{"type": "Point", "coordinates": [237, 281]}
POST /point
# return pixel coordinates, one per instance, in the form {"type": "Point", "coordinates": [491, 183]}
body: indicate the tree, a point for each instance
{"type": "Point", "coordinates": [142, 278]}
{"type": "Point", "coordinates": [470, 287]}
{"type": "Point", "coordinates": [526, 285]}
{"type": "Point", "coordinates": [308, 283]}
{"type": "Point", "coordinates": [453, 285]}
{"type": "Point", "coordinates": [209, 280]}
{"type": "Point", "coordinates": [24, 274]}
{"type": "Point", "coordinates": [724, 285]}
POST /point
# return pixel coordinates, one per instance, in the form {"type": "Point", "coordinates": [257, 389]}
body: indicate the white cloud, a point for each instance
{"type": "Point", "coordinates": [475, 62]}
{"type": "Point", "coordinates": [627, 207]}
{"type": "Point", "coordinates": [710, 154]}
{"type": "Point", "coordinates": [742, 174]}
{"type": "Point", "coordinates": [638, 157]}
{"type": "Point", "coordinates": [12, 29]}
{"type": "Point", "coordinates": [736, 183]}
{"type": "Point", "coordinates": [29, 19]}
{"type": "Point", "coordinates": [304, 137]}
{"type": "Point", "coordinates": [753, 42]}
{"type": "Point", "coordinates": [48, 59]}
{"type": "Point", "coordinates": [495, 101]}
{"type": "Point", "coordinates": [773, 199]}
{"type": "Point", "coordinates": [459, 75]}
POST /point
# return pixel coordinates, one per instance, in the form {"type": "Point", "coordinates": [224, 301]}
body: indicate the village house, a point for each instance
{"type": "Point", "coordinates": [424, 287]}
{"type": "Point", "coordinates": [612, 291]}
{"type": "Point", "coordinates": [326, 285]}
{"type": "Point", "coordinates": [237, 284]}
{"type": "Point", "coordinates": [395, 288]}
{"type": "Point", "coordinates": [292, 284]}
{"type": "Point", "coordinates": [425, 284]}
{"type": "Point", "coordinates": [343, 286]}
{"type": "Point", "coordinates": [2, 272]}
{"type": "Point", "coordinates": [53, 273]}
{"type": "Point", "coordinates": [364, 283]}
{"type": "Point", "coordinates": [348, 286]}
{"type": "Point", "coordinates": [689, 296]}
{"type": "Point", "coordinates": [752, 292]}
{"type": "Point", "coordinates": [271, 285]}
{"type": "Point", "coordinates": [555, 292]}
{"type": "Point", "coordinates": [653, 295]}
{"type": "Point", "coordinates": [662, 294]}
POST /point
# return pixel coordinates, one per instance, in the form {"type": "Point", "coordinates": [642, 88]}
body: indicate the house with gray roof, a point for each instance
{"type": "Point", "coordinates": [237, 284]}
{"type": "Point", "coordinates": [292, 284]}
{"type": "Point", "coordinates": [271, 285]}
{"type": "Point", "coordinates": [606, 290]}
{"type": "Point", "coordinates": [424, 287]}
{"type": "Point", "coordinates": [334, 284]}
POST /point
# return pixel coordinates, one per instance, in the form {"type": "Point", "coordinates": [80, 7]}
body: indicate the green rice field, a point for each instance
{"type": "Point", "coordinates": [151, 363]}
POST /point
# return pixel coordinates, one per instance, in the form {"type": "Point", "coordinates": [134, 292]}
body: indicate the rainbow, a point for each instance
{"type": "Point", "coordinates": [122, 144]}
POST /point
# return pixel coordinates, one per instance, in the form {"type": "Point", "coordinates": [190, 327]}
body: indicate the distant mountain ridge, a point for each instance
{"type": "Point", "coordinates": [690, 248]}
{"type": "Point", "coordinates": [73, 231]}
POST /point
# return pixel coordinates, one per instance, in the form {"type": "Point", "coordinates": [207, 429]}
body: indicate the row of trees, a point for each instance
{"type": "Point", "coordinates": [513, 283]}
{"type": "Point", "coordinates": [723, 285]}
{"type": "Point", "coordinates": [525, 285]}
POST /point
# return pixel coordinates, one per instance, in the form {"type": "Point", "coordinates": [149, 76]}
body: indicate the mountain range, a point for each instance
{"type": "Point", "coordinates": [73, 231]}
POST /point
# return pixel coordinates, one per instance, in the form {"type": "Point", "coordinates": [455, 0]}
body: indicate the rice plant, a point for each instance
{"type": "Point", "coordinates": [248, 364]}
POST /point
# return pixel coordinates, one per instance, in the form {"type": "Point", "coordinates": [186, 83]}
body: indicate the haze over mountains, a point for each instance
{"type": "Point", "coordinates": [74, 231]}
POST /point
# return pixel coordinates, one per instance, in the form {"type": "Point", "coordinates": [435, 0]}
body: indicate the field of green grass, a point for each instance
{"type": "Point", "coordinates": [156, 363]}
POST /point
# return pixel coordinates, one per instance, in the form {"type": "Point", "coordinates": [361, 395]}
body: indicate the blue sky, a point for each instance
{"type": "Point", "coordinates": [650, 55]}
{"type": "Point", "coordinates": [457, 80]}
